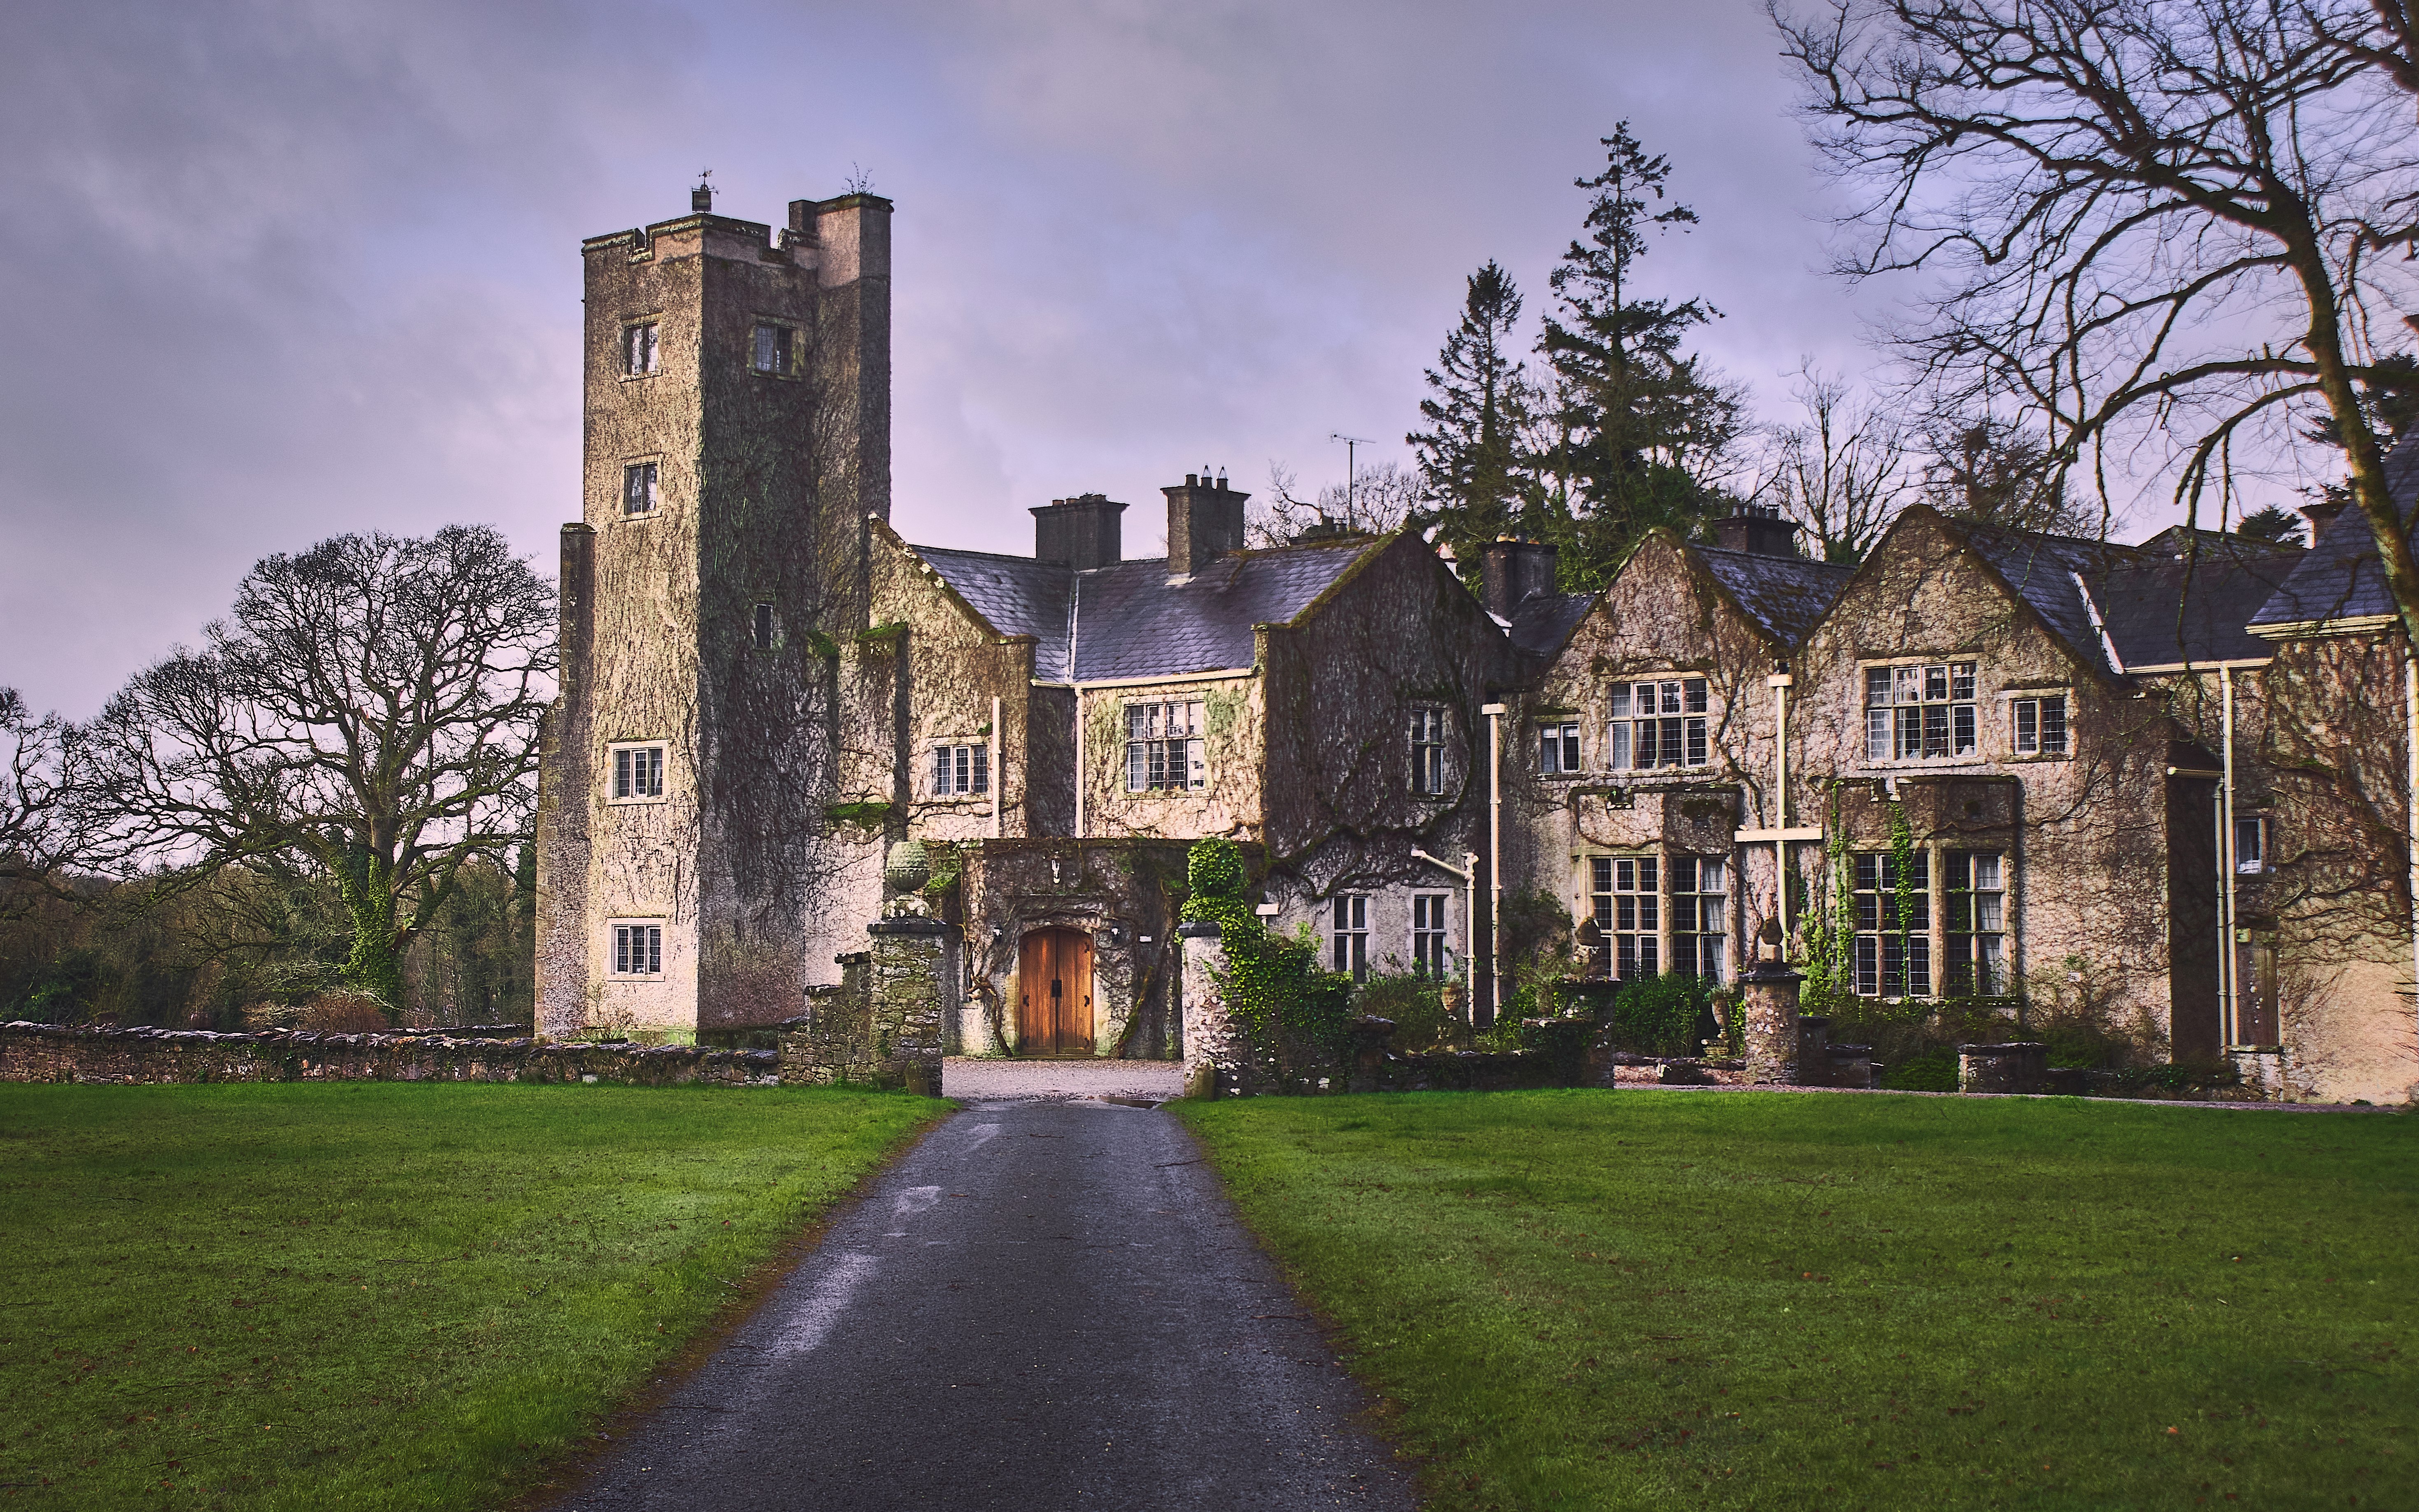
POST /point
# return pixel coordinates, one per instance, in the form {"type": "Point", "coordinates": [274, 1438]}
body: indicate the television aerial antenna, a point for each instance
{"type": "Point", "coordinates": [1351, 443]}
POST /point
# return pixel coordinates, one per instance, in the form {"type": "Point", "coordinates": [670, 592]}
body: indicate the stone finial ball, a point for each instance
{"type": "Point", "coordinates": [906, 868]}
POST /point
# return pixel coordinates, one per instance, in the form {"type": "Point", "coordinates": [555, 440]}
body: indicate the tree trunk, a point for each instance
{"type": "Point", "coordinates": [375, 964]}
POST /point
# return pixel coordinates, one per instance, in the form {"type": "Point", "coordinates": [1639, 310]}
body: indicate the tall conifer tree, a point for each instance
{"type": "Point", "coordinates": [1478, 408]}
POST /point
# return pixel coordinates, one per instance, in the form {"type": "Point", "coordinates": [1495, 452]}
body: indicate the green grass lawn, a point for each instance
{"type": "Point", "coordinates": [374, 1295]}
{"type": "Point", "coordinates": [1640, 1299]}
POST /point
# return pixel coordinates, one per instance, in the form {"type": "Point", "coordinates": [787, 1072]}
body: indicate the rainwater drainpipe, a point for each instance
{"type": "Point", "coordinates": [1779, 683]}
{"type": "Point", "coordinates": [2410, 710]}
{"type": "Point", "coordinates": [2229, 993]}
{"type": "Point", "coordinates": [1495, 713]}
{"type": "Point", "coordinates": [1469, 875]}
{"type": "Point", "coordinates": [1074, 679]}
{"type": "Point", "coordinates": [998, 774]}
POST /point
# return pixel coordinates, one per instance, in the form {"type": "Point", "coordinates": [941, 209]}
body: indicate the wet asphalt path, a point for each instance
{"type": "Point", "coordinates": [1045, 1305]}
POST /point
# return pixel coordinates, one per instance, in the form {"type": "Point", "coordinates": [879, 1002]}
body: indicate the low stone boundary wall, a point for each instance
{"type": "Point", "coordinates": [55, 1052]}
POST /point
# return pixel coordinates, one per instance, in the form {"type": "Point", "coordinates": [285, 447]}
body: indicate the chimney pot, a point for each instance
{"type": "Point", "coordinates": [1205, 521]}
{"type": "Point", "coordinates": [1511, 571]}
{"type": "Point", "coordinates": [1760, 531]}
{"type": "Point", "coordinates": [1084, 532]}
{"type": "Point", "coordinates": [2321, 516]}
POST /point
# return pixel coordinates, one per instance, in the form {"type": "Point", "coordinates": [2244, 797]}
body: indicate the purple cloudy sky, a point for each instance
{"type": "Point", "coordinates": [283, 269]}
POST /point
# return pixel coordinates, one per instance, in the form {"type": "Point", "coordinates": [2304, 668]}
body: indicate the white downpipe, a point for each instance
{"type": "Point", "coordinates": [998, 771]}
{"type": "Point", "coordinates": [1075, 640]}
{"type": "Point", "coordinates": [2411, 713]}
{"type": "Point", "coordinates": [1469, 875]}
{"type": "Point", "coordinates": [2229, 991]}
{"type": "Point", "coordinates": [1780, 685]}
{"type": "Point", "coordinates": [1495, 713]}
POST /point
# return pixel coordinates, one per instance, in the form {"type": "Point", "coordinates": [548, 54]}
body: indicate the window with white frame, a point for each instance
{"type": "Point", "coordinates": [1352, 935]}
{"type": "Point", "coordinates": [1657, 724]}
{"type": "Point", "coordinates": [1163, 746]}
{"type": "Point", "coordinates": [1427, 752]}
{"type": "Point", "coordinates": [1920, 713]}
{"type": "Point", "coordinates": [2250, 844]}
{"type": "Point", "coordinates": [640, 484]}
{"type": "Point", "coordinates": [1893, 939]}
{"type": "Point", "coordinates": [774, 349]}
{"type": "Point", "coordinates": [1701, 915]}
{"type": "Point", "coordinates": [638, 774]}
{"type": "Point", "coordinates": [961, 769]}
{"type": "Point", "coordinates": [1558, 747]}
{"type": "Point", "coordinates": [2040, 725]}
{"type": "Point", "coordinates": [640, 353]}
{"type": "Point", "coordinates": [1628, 915]}
{"type": "Point", "coordinates": [637, 949]}
{"type": "Point", "coordinates": [1975, 891]}
{"type": "Point", "coordinates": [1431, 954]}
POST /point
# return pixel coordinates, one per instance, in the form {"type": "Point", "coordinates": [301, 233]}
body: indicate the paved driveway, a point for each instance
{"type": "Point", "coordinates": [971, 1081]}
{"type": "Point", "coordinates": [1047, 1305]}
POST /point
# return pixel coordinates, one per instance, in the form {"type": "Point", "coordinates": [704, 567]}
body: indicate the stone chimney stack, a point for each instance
{"type": "Point", "coordinates": [1762, 532]}
{"type": "Point", "coordinates": [1084, 532]}
{"type": "Point", "coordinates": [1511, 571]}
{"type": "Point", "coordinates": [1205, 521]}
{"type": "Point", "coordinates": [2321, 516]}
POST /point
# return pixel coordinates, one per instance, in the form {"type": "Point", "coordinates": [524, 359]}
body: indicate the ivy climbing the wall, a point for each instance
{"type": "Point", "coordinates": [1293, 1012]}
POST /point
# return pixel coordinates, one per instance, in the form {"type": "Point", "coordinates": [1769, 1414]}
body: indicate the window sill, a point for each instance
{"type": "Point", "coordinates": [640, 378]}
{"type": "Point", "coordinates": [634, 803]}
{"type": "Point", "coordinates": [633, 982]}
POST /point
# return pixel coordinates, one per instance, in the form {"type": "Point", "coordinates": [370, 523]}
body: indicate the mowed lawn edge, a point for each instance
{"type": "Point", "coordinates": [379, 1295]}
{"type": "Point", "coordinates": [1592, 1299]}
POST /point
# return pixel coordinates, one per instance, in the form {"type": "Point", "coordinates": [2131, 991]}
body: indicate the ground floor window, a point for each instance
{"type": "Point", "coordinates": [638, 950]}
{"type": "Point", "coordinates": [1352, 935]}
{"type": "Point", "coordinates": [1893, 943]}
{"type": "Point", "coordinates": [1430, 955]}
{"type": "Point", "coordinates": [1976, 889]}
{"type": "Point", "coordinates": [1700, 915]}
{"type": "Point", "coordinates": [1628, 915]}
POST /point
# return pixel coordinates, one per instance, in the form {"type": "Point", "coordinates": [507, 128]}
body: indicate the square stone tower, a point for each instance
{"type": "Point", "coordinates": [737, 440]}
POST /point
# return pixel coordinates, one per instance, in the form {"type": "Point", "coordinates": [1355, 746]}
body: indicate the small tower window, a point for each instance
{"type": "Point", "coordinates": [764, 628]}
{"type": "Point", "coordinates": [961, 769]}
{"type": "Point", "coordinates": [638, 774]}
{"type": "Point", "coordinates": [638, 949]}
{"type": "Point", "coordinates": [638, 488]}
{"type": "Point", "coordinates": [638, 349]}
{"type": "Point", "coordinates": [776, 349]}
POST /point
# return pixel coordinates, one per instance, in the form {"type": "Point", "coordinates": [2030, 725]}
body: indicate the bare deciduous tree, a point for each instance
{"type": "Point", "coordinates": [369, 713]}
{"type": "Point", "coordinates": [2161, 221]}
{"type": "Point", "coordinates": [1380, 499]}
{"type": "Point", "coordinates": [1841, 470]}
{"type": "Point", "coordinates": [38, 833]}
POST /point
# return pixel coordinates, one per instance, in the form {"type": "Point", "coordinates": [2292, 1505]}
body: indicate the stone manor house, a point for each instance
{"type": "Point", "coordinates": [2169, 775]}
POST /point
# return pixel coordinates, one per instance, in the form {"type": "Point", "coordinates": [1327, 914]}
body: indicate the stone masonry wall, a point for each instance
{"type": "Point", "coordinates": [52, 1053]}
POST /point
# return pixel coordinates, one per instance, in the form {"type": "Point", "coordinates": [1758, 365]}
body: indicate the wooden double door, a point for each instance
{"type": "Point", "coordinates": [1053, 993]}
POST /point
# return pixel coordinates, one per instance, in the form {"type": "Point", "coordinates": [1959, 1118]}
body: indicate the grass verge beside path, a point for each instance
{"type": "Point", "coordinates": [1637, 1299]}
{"type": "Point", "coordinates": [375, 1295]}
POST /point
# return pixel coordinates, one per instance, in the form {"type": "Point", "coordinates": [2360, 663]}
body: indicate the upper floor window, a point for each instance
{"type": "Point", "coordinates": [640, 354]}
{"type": "Point", "coordinates": [638, 488]}
{"type": "Point", "coordinates": [2249, 843]}
{"type": "Point", "coordinates": [961, 769]}
{"type": "Point", "coordinates": [1893, 942]}
{"type": "Point", "coordinates": [1659, 724]}
{"type": "Point", "coordinates": [1558, 747]}
{"type": "Point", "coordinates": [1977, 896]}
{"type": "Point", "coordinates": [1352, 935]}
{"type": "Point", "coordinates": [1921, 711]}
{"type": "Point", "coordinates": [1431, 955]}
{"type": "Point", "coordinates": [1427, 752]}
{"type": "Point", "coordinates": [1164, 748]}
{"type": "Point", "coordinates": [1628, 915]}
{"type": "Point", "coordinates": [776, 349]}
{"type": "Point", "coordinates": [1700, 915]}
{"type": "Point", "coordinates": [638, 773]}
{"type": "Point", "coordinates": [2040, 726]}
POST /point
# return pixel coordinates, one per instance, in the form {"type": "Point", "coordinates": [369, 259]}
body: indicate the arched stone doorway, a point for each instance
{"type": "Point", "coordinates": [1053, 993]}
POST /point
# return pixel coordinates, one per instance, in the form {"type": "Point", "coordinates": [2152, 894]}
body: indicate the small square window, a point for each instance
{"type": "Point", "coordinates": [638, 950]}
{"type": "Point", "coordinates": [638, 774]}
{"type": "Point", "coordinates": [774, 349]}
{"type": "Point", "coordinates": [639, 489]}
{"type": "Point", "coordinates": [1558, 748]}
{"type": "Point", "coordinates": [639, 350]}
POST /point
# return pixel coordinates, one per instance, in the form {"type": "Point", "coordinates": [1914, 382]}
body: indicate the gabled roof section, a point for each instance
{"type": "Point", "coordinates": [1541, 623]}
{"type": "Point", "coordinates": [2041, 570]}
{"type": "Point", "coordinates": [1017, 596]}
{"type": "Point", "coordinates": [2170, 610]}
{"type": "Point", "coordinates": [1785, 596]}
{"type": "Point", "coordinates": [1132, 620]}
{"type": "Point", "coordinates": [2342, 578]}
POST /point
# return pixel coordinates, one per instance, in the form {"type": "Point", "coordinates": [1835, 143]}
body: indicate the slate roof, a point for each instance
{"type": "Point", "coordinates": [1130, 620]}
{"type": "Point", "coordinates": [1542, 622]}
{"type": "Point", "coordinates": [2341, 577]}
{"type": "Point", "coordinates": [2166, 610]}
{"type": "Point", "coordinates": [2041, 569]}
{"type": "Point", "coordinates": [1786, 596]}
